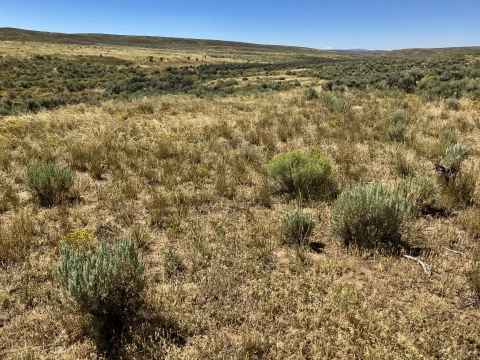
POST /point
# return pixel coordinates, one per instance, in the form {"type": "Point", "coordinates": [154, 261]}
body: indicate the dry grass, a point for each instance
{"type": "Point", "coordinates": [137, 55]}
{"type": "Point", "coordinates": [186, 179]}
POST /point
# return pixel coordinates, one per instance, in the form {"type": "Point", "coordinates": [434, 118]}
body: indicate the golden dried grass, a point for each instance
{"type": "Point", "coordinates": [241, 293]}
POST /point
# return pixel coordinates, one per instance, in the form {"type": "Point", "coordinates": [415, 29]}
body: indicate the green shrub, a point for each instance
{"type": "Point", "coordinates": [397, 132]}
{"type": "Point", "coordinates": [448, 137]}
{"type": "Point", "coordinates": [305, 174]}
{"type": "Point", "coordinates": [296, 227]}
{"type": "Point", "coordinates": [458, 186]}
{"type": "Point", "coordinates": [452, 104]}
{"type": "Point", "coordinates": [50, 182]}
{"type": "Point", "coordinates": [327, 86]}
{"type": "Point", "coordinates": [450, 163]}
{"type": "Point", "coordinates": [422, 191]}
{"type": "Point", "coordinates": [310, 94]}
{"type": "Point", "coordinates": [424, 194]}
{"type": "Point", "coordinates": [336, 104]}
{"type": "Point", "coordinates": [107, 284]}
{"type": "Point", "coordinates": [370, 217]}
{"type": "Point", "coordinates": [455, 154]}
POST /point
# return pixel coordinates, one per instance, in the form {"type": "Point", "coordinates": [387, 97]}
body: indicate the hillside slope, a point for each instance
{"type": "Point", "coordinates": [12, 34]}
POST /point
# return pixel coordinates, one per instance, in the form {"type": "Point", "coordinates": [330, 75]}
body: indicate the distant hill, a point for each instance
{"type": "Point", "coordinates": [157, 42]}
{"type": "Point", "coordinates": [171, 43]}
{"type": "Point", "coordinates": [354, 50]}
{"type": "Point", "coordinates": [436, 51]}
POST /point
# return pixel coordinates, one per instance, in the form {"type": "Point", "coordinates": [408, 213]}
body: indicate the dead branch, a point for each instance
{"type": "Point", "coordinates": [426, 268]}
{"type": "Point", "coordinates": [455, 251]}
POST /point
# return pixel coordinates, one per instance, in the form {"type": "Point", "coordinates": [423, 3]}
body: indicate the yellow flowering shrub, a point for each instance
{"type": "Point", "coordinates": [201, 172]}
{"type": "Point", "coordinates": [78, 240]}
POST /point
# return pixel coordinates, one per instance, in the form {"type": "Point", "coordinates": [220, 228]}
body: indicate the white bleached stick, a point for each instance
{"type": "Point", "coordinates": [425, 267]}
{"type": "Point", "coordinates": [454, 251]}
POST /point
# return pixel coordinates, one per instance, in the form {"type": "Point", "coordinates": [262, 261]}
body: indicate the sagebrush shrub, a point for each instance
{"type": "Point", "coordinates": [306, 174]}
{"type": "Point", "coordinates": [107, 284]}
{"type": "Point", "coordinates": [455, 154]}
{"type": "Point", "coordinates": [296, 227]}
{"type": "Point", "coordinates": [397, 132]}
{"type": "Point", "coordinates": [310, 94]}
{"type": "Point", "coordinates": [452, 104]}
{"type": "Point", "coordinates": [50, 182]}
{"type": "Point", "coordinates": [370, 217]}
{"type": "Point", "coordinates": [422, 191]}
{"type": "Point", "coordinates": [458, 185]}
{"type": "Point", "coordinates": [336, 104]}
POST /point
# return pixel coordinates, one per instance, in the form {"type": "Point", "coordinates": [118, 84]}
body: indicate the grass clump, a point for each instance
{"type": "Point", "coordinates": [370, 217]}
{"type": "Point", "coordinates": [16, 238]}
{"type": "Point", "coordinates": [9, 198]}
{"type": "Point", "coordinates": [106, 284]}
{"type": "Point", "coordinates": [50, 182]}
{"type": "Point", "coordinates": [458, 186]}
{"type": "Point", "coordinates": [474, 274]}
{"type": "Point", "coordinates": [460, 193]}
{"type": "Point", "coordinates": [305, 174]}
{"type": "Point", "coordinates": [296, 227]}
{"type": "Point", "coordinates": [470, 219]}
{"type": "Point", "coordinates": [173, 264]}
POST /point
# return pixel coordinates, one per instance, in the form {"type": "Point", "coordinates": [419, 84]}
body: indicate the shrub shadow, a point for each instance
{"type": "Point", "coordinates": [317, 247]}
{"type": "Point", "coordinates": [145, 333]}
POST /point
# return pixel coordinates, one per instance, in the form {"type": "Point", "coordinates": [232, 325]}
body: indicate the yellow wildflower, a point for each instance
{"type": "Point", "coordinates": [80, 240]}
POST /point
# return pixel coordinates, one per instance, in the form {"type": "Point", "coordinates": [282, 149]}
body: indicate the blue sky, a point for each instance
{"type": "Point", "coordinates": [371, 24]}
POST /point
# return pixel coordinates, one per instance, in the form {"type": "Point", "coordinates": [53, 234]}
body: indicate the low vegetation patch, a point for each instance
{"type": "Point", "coordinates": [237, 224]}
{"type": "Point", "coordinates": [305, 174]}
{"type": "Point", "coordinates": [106, 284]}
{"type": "Point", "coordinates": [474, 274]}
{"type": "Point", "coordinates": [310, 94]}
{"type": "Point", "coordinates": [370, 217]}
{"type": "Point", "coordinates": [297, 227]}
{"type": "Point", "coordinates": [50, 182]}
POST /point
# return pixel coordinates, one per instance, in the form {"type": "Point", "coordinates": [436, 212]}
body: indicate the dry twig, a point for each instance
{"type": "Point", "coordinates": [425, 267]}
{"type": "Point", "coordinates": [455, 251]}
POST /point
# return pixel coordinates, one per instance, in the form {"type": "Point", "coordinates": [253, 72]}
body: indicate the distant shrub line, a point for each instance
{"type": "Point", "coordinates": [24, 85]}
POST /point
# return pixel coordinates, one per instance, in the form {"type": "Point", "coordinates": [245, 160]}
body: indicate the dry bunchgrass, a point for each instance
{"type": "Point", "coordinates": [186, 179]}
{"type": "Point", "coordinates": [137, 55]}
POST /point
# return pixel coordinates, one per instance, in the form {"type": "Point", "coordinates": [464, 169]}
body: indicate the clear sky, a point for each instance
{"type": "Point", "coordinates": [338, 24]}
